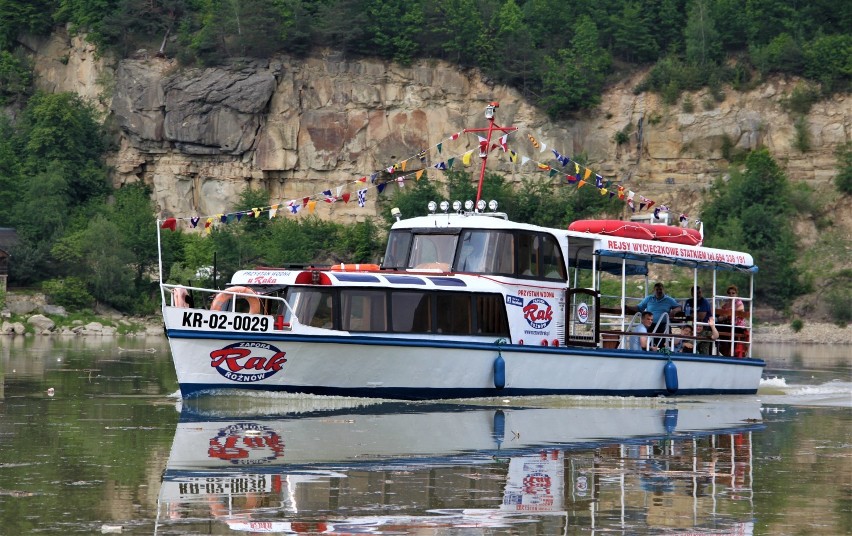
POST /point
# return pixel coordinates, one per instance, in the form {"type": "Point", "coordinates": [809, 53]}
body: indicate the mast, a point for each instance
{"type": "Point", "coordinates": [485, 148]}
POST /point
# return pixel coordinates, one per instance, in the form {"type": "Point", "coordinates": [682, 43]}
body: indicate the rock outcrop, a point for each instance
{"type": "Point", "coordinates": [296, 127]}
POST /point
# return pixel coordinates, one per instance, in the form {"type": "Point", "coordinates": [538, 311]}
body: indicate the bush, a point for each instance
{"type": "Point", "coordinates": [801, 99]}
{"type": "Point", "coordinates": [802, 140]}
{"type": "Point", "coordinates": [843, 179]}
{"type": "Point", "coordinates": [70, 292]}
{"type": "Point", "coordinates": [797, 324]}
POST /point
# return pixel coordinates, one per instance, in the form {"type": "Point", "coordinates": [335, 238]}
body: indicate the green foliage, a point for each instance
{"type": "Point", "coordinates": [797, 324]}
{"type": "Point", "coordinates": [632, 33]}
{"type": "Point", "coordinates": [68, 292]}
{"type": "Point", "coordinates": [545, 202]}
{"type": "Point", "coordinates": [703, 45]}
{"type": "Point", "coordinates": [801, 99]}
{"type": "Point", "coordinates": [828, 59]}
{"type": "Point", "coordinates": [573, 78]}
{"type": "Point", "coordinates": [16, 77]}
{"type": "Point", "coordinates": [843, 179]}
{"type": "Point", "coordinates": [802, 140]}
{"type": "Point", "coordinates": [19, 16]}
{"type": "Point", "coordinates": [516, 42]}
{"type": "Point", "coordinates": [752, 212]}
{"type": "Point", "coordinates": [838, 297]}
{"type": "Point", "coordinates": [782, 54]}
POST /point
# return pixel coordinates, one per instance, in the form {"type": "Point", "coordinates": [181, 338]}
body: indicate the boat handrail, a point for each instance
{"type": "Point", "coordinates": [293, 317]}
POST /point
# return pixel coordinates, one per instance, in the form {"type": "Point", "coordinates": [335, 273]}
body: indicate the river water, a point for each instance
{"type": "Point", "coordinates": [94, 440]}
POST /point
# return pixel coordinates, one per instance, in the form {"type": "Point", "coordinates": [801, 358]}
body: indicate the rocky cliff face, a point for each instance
{"type": "Point", "coordinates": [298, 127]}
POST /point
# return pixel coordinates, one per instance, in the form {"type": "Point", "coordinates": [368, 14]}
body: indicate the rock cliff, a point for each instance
{"type": "Point", "coordinates": [298, 127]}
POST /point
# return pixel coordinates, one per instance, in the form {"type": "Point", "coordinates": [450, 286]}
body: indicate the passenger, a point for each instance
{"type": "Point", "coordinates": [703, 309]}
{"type": "Point", "coordinates": [706, 338]}
{"type": "Point", "coordinates": [732, 302]}
{"type": "Point", "coordinates": [659, 303]}
{"type": "Point", "coordinates": [640, 342]}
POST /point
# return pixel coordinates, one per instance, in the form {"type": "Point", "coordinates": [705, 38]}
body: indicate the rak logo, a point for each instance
{"type": "Point", "coordinates": [538, 313]}
{"type": "Point", "coordinates": [247, 362]}
{"type": "Point", "coordinates": [246, 443]}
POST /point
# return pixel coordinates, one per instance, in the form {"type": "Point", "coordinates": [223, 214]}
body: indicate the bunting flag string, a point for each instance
{"type": "Point", "coordinates": [580, 177]}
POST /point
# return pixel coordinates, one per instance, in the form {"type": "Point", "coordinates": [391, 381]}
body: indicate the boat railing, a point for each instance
{"type": "Point", "coordinates": [613, 317]}
{"type": "Point", "coordinates": [264, 301]}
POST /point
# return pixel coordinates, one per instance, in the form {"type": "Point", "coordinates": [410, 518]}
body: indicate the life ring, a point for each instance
{"type": "Point", "coordinates": [179, 295]}
{"type": "Point", "coordinates": [355, 268]}
{"type": "Point", "coordinates": [222, 299]}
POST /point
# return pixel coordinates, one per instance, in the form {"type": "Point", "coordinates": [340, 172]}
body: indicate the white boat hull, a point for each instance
{"type": "Point", "coordinates": [337, 363]}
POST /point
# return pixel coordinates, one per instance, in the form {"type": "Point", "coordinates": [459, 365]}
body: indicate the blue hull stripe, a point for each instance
{"type": "Point", "coordinates": [189, 390]}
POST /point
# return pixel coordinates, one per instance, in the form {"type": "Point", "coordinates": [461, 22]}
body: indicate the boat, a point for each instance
{"type": "Point", "coordinates": [397, 466]}
{"type": "Point", "coordinates": [464, 304]}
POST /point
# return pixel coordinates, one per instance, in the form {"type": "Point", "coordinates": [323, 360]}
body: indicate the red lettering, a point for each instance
{"type": "Point", "coordinates": [231, 357]}
{"type": "Point", "coordinates": [228, 451]}
{"type": "Point", "coordinates": [228, 356]}
{"type": "Point", "coordinates": [255, 363]}
{"type": "Point", "coordinates": [533, 314]}
{"type": "Point", "coordinates": [276, 362]}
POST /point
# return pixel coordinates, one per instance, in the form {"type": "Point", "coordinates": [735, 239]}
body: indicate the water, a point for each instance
{"type": "Point", "coordinates": [94, 441]}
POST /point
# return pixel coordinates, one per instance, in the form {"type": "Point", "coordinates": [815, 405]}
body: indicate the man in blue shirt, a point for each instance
{"type": "Point", "coordinates": [702, 309]}
{"type": "Point", "coordinates": [659, 303]}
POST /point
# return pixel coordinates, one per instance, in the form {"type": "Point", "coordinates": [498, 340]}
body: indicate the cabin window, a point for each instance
{"type": "Point", "coordinates": [528, 254]}
{"type": "Point", "coordinates": [454, 314]}
{"type": "Point", "coordinates": [486, 252]}
{"type": "Point", "coordinates": [539, 256]}
{"type": "Point", "coordinates": [363, 310]}
{"type": "Point", "coordinates": [553, 266]}
{"type": "Point", "coordinates": [312, 307]}
{"type": "Point", "coordinates": [412, 312]}
{"type": "Point", "coordinates": [430, 251]}
{"type": "Point", "coordinates": [396, 255]}
{"type": "Point", "coordinates": [491, 315]}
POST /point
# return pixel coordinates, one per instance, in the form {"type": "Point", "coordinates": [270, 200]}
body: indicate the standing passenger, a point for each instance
{"type": "Point", "coordinates": [659, 303]}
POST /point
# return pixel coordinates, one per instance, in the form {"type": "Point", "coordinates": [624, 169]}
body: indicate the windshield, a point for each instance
{"type": "Point", "coordinates": [433, 251]}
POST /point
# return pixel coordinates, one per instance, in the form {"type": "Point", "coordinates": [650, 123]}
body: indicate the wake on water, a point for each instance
{"type": "Point", "coordinates": [832, 393]}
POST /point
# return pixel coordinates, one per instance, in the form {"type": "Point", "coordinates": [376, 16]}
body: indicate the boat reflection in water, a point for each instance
{"type": "Point", "coordinates": [398, 468]}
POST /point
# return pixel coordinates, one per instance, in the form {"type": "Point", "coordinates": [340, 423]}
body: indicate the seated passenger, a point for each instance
{"type": "Point", "coordinates": [706, 338]}
{"type": "Point", "coordinates": [732, 303]}
{"type": "Point", "coordinates": [640, 342]}
{"type": "Point", "coordinates": [702, 310]}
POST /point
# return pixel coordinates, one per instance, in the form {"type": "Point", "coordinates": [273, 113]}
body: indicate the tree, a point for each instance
{"type": "Point", "coordinates": [514, 54]}
{"type": "Point", "coordinates": [61, 131]}
{"type": "Point", "coordinates": [19, 16]}
{"type": "Point", "coordinates": [828, 58]}
{"type": "Point", "coordinates": [703, 46]}
{"type": "Point", "coordinates": [393, 26]}
{"type": "Point", "coordinates": [16, 77]}
{"type": "Point", "coordinates": [574, 79]}
{"type": "Point", "coordinates": [843, 179]}
{"type": "Point", "coordinates": [632, 37]}
{"type": "Point", "coordinates": [752, 212]}
{"type": "Point", "coordinates": [133, 215]}
{"type": "Point", "coordinates": [461, 31]}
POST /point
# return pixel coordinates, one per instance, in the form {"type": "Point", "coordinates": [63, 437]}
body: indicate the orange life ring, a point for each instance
{"type": "Point", "coordinates": [223, 298]}
{"type": "Point", "coordinates": [355, 268]}
{"type": "Point", "coordinates": [179, 295]}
